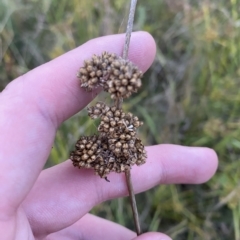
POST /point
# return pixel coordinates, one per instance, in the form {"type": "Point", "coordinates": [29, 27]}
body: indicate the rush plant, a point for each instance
{"type": "Point", "coordinates": [115, 147]}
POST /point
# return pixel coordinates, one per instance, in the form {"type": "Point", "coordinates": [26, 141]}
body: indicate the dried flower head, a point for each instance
{"type": "Point", "coordinates": [95, 71]}
{"type": "Point", "coordinates": [116, 148]}
{"type": "Point", "coordinates": [125, 79]}
{"type": "Point", "coordinates": [116, 75]}
{"type": "Point", "coordinates": [97, 110]}
{"type": "Point", "coordinates": [107, 155]}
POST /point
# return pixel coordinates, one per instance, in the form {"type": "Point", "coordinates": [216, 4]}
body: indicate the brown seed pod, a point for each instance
{"type": "Point", "coordinates": [118, 144]}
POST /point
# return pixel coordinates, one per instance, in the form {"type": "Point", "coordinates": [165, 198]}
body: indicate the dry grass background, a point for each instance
{"type": "Point", "coordinates": [191, 96]}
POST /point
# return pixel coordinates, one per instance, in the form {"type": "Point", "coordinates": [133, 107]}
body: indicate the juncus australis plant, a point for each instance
{"type": "Point", "coordinates": [116, 147]}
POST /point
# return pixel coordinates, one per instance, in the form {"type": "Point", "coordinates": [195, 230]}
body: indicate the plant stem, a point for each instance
{"type": "Point", "coordinates": [129, 28]}
{"type": "Point", "coordinates": [133, 202]}
{"type": "Point", "coordinates": [118, 104]}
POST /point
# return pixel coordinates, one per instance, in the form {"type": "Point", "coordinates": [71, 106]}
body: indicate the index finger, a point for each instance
{"type": "Point", "coordinates": [33, 106]}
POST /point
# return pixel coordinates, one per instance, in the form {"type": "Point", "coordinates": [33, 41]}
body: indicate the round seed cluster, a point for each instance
{"type": "Point", "coordinates": [125, 79]}
{"type": "Point", "coordinates": [98, 110]}
{"type": "Point", "coordinates": [96, 71]}
{"type": "Point", "coordinates": [117, 76]}
{"type": "Point", "coordinates": [86, 151]}
{"type": "Point", "coordinates": [116, 148]}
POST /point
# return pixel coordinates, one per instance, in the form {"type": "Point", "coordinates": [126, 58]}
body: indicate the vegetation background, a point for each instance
{"type": "Point", "coordinates": [190, 96]}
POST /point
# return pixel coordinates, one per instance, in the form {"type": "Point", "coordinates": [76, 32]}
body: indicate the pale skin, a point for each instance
{"type": "Point", "coordinates": [54, 203]}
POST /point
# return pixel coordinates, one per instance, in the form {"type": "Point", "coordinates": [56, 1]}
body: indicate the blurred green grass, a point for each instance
{"type": "Point", "coordinates": [190, 96]}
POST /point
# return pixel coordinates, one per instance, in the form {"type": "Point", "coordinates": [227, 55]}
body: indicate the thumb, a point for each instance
{"type": "Point", "coordinates": [152, 236]}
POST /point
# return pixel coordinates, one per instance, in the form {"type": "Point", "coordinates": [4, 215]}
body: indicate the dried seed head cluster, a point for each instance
{"type": "Point", "coordinates": [116, 148]}
{"type": "Point", "coordinates": [117, 76]}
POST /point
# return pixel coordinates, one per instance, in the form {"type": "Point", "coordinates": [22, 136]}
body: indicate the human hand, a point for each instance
{"type": "Point", "coordinates": [54, 203]}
